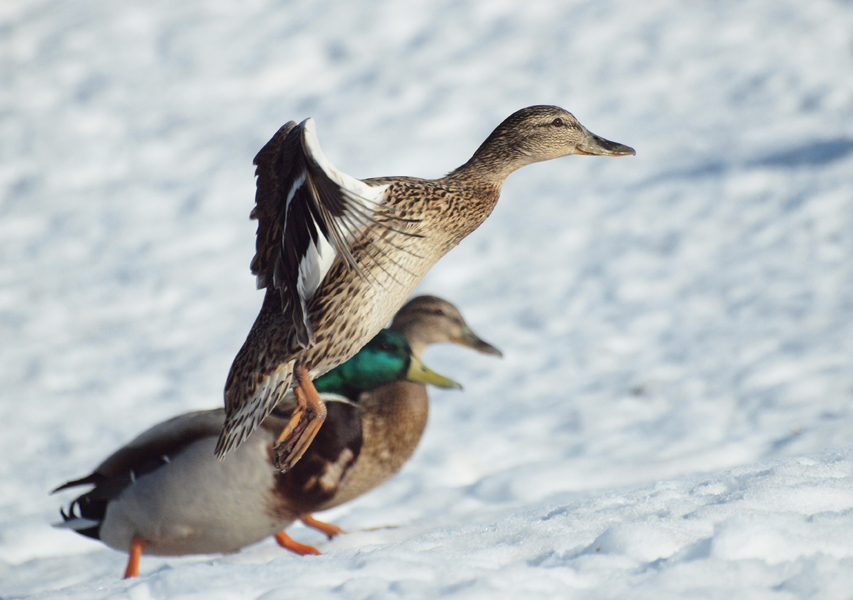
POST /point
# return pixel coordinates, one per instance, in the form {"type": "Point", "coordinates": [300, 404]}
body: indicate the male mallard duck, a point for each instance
{"type": "Point", "coordinates": [393, 416]}
{"type": "Point", "coordinates": [166, 494]}
{"type": "Point", "coordinates": [338, 256]}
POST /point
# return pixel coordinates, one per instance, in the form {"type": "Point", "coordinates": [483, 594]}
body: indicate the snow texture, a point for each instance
{"type": "Point", "coordinates": [672, 417]}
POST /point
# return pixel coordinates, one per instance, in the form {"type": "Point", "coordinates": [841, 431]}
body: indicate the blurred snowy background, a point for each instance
{"type": "Point", "coordinates": [672, 417]}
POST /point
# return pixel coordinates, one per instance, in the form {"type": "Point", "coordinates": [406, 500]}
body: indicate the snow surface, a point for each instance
{"type": "Point", "coordinates": [672, 417]}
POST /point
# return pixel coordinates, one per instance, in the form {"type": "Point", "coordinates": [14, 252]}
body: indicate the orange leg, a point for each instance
{"type": "Point", "coordinates": [288, 543]}
{"type": "Point", "coordinates": [137, 545]}
{"type": "Point", "coordinates": [330, 529]}
{"type": "Point", "coordinates": [308, 416]}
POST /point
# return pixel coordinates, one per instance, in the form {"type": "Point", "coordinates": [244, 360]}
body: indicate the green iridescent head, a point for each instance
{"type": "Point", "coordinates": [384, 359]}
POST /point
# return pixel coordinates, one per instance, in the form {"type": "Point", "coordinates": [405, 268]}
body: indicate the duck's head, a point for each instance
{"type": "Point", "coordinates": [538, 133]}
{"type": "Point", "coordinates": [384, 359]}
{"type": "Point", "coordinates": [426, 320]}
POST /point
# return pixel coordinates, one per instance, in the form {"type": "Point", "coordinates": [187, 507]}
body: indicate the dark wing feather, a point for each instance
{"type": "Point", "coordinates": [308, 216]}
{"type": "Point", "coordinates": [274, 163]}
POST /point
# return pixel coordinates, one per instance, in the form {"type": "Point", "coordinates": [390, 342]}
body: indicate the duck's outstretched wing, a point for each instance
{"type": "Point", "coordinates": [309, 214]}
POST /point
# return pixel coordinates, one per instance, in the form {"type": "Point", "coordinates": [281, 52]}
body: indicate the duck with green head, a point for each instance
{"type": "Point", "coordinates": [165, 493]}
{"type": "Point", "coordinates": [386, 358]}
{"type": "Point", "coordinates": [394, 416]}
{"type": "Point", "coordinates": [315, 481]}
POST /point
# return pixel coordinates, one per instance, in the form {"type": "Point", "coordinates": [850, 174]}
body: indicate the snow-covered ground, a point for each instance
{"type": "Point", "coordinates": [672, 417]}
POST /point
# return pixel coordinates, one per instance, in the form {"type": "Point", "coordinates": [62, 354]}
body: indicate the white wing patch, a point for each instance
{"type": "Point", "coordinates": [296, 185]}
{"type": "Point", "coordinates": [314, 266]}
{"type": "Point", "coordinates": [368, 194]}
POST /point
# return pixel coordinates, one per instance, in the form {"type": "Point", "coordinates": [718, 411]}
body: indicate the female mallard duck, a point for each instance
{"type": "Point", "coordinates": [338, 256]}
{"type": "Point", "coordinates": [164, 493]}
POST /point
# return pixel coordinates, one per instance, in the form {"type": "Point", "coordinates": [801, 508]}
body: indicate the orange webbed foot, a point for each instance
{"type": "Point", "coordinates": [330, 529]}
{"type": "Point", "coordinates": [300, 431]}
{"type": "Point", "coordinates": [288, 543]}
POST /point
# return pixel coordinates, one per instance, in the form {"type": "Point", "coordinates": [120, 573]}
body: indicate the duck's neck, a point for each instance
{"type": "Point", "coordinates": [418, 337]}
{"type": "Point", "coordinates": [349, 381]}
{"type": "Point", "coordinates": [493, 161]}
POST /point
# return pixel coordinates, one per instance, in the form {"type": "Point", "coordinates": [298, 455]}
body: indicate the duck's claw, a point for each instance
{"type": "Point", "coordinates": [300, 431]}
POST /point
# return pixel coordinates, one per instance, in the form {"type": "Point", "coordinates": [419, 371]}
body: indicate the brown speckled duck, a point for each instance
{"type": "Point", "coordinates": [166, 494]}
{"type": "Point", "coordinates": [338, 256]}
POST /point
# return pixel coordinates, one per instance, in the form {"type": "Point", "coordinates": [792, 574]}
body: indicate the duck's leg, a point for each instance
{"type": "Point", "coordinates": [330, 529]}
{"type": "Point", "coordinates": [308, 416]}
{"type": "Point", "coordinates": [137, 545]}
{"type": "Point", "coordinates": [288, 543]}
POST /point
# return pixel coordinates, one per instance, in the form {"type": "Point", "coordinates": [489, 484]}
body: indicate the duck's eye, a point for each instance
{"type": "Point", "coordinates": [558, 122]}
{"type": "Point", "coordinates": [385, 346]}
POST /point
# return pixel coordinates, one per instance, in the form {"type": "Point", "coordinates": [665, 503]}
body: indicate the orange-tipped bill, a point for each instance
{"type": "Point", "coordinates": [598, 146]}
{"type": "Point", "coordinates": [472, 340]}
